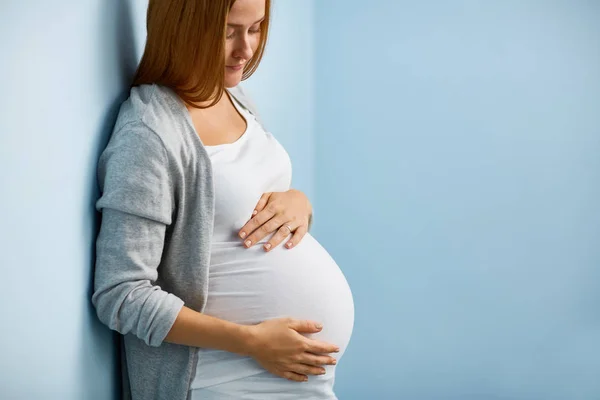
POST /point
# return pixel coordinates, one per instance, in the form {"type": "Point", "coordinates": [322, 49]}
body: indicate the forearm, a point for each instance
{"type": "Point", "coordinates": [192, 328]}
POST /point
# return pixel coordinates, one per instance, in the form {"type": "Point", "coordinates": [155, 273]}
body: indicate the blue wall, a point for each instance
{"type": "Point", "coordinates": [283, 87]}
{"type": "Point", "coordinates": [450, 150]}
{"type": "Point", "coordinates": [64, 68]}
{"type": "Point", "coordinates": [457, 182]}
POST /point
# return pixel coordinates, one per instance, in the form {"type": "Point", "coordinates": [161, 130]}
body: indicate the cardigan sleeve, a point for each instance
{"type": "Point", "coordinates": [136, 204]}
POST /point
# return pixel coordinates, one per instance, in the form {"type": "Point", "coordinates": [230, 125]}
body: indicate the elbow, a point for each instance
{"type": "Point", "coordinates": [144, 310]}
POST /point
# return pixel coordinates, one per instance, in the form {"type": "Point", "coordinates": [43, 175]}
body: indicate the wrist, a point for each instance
{"type": "Point", "coordinates": [246, 340]}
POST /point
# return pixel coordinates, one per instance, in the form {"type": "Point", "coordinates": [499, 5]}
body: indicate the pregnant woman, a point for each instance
{"type": "Point", "coordinates": [191, 266]}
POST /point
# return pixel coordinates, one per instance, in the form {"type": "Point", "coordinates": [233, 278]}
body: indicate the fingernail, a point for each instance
{"type": "Point", "coordinates": [248, 243]}
{"type": "Point", "coordinates": [243, 235]}
{"type": "Point", "coordinates": [254, 212]}
{"type": "Point", "coordinates": [289, 244]}
{"type": "Point", "coordinates": [305, 379]}
{"type": "Point", "coordinates": [334, 362]}
{"type": "Point", "coordinates": [268, 246]}
{"type": "Point", "coordinates": [319, 326]}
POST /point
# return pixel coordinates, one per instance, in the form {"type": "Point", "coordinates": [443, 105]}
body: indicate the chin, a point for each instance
{"type": "Point", "coordinates": [232, 81]}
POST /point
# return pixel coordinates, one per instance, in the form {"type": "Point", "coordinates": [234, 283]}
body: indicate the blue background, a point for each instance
{"type": "Point", "coordinates": [450, 150]}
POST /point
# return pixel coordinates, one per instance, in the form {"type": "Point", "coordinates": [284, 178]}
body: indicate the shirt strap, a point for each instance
{"type": "Point", "coordinates": [240, 95]}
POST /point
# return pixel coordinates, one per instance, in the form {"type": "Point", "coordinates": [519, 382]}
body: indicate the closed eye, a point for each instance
{"type": "Point", "coordinates": [252, 31]}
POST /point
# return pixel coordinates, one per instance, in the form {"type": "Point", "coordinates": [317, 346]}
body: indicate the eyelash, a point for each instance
{"type": "Point", "coordinates": [254, 32]}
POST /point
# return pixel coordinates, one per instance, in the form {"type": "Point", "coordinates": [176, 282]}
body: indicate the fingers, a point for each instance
{"type": "Point", "coordinates": [251, 226]}
{"type": "Point", "coordinates": [258, 216]}
{"type": "Point", "coordinates": [265, 226]}
{"type": "Point", "coordinates": [307, 369]}
{"type": "Point", "coordinates": [313, 346]}
{"type": "Point", "coordinates": [297, 237]}
{"type": "Point", "coordinates": [317, 361]}
{"type": "Point", "coordinates": [316, 346]}
{"type": "Point", "coordinates": [262, 202]}
{"type": "Point", "coordinates": [281, 234]}
{"type": "Point", "coordinates": [303, 326]}
{"type": "Point", "coordinates": [292, 376]}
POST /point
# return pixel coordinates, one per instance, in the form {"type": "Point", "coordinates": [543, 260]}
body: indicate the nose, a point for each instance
{"type": "Point", "coordinates": [243, 49]}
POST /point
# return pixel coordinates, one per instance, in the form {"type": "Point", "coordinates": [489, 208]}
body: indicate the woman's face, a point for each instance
{"type": "Point", "coordinates": [243, 37]}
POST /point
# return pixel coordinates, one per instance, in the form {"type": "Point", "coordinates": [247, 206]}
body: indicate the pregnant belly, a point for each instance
{"type": "Point", "coordinates": [248, 286]}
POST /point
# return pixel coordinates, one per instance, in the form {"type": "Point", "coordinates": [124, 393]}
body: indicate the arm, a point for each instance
{"type": "Point", "coordinates": [137, 204]}
{"type": "Point", "coordinates": [192, 328]}
{"type": "Point", "coordinates": [129, 248]}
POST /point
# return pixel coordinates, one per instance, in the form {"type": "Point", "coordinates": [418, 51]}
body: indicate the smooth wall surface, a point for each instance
{"type": "Point", "coordinates": [283, 87]}
{"type": "Point", "coordinates": [458, 182]}
{"type": "Point", "coordinates": [64, 68]}
{"type": "Point", "coordinates": [450, 151]}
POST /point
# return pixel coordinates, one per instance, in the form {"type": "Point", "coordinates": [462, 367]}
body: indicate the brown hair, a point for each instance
{"type": "Point", "coordinates": [185, 48]}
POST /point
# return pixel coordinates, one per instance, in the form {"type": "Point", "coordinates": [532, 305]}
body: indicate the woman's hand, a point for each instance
{"type": "Point", "coordinates": [288, 211]}
{"type": "Point", "coordinates": [279, 348]}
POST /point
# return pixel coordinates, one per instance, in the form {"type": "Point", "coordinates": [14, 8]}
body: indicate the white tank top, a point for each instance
{"type": "Point", "coordinates": [248, 286]}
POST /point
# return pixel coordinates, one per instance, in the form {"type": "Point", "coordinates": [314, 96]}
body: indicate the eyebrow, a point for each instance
{"type": "Point", "coordinates": [241, 25]}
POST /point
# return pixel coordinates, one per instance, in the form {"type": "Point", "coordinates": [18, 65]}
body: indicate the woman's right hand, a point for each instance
{"type": "Point", "coordinates": [278, 346]}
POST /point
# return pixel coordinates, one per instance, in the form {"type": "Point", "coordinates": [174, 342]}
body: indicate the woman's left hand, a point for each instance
{"type": "Point", "coordinates": [286, 211]}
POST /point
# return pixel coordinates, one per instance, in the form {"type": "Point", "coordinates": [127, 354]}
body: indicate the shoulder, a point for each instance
{"type": "Point", "coordinates": [156, 113]}
{"type": "Point", "coordinates": [131, 132]}
{"type": "Point", "coordinates": [145, 132]}
{"type": "Point", "coordinates": [152, 105]}
{"type": "Point", "coordinates": [134, 173]}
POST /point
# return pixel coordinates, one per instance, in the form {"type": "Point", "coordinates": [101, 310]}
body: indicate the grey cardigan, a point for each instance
{"type": "Point", "coordinates": [153, 247]}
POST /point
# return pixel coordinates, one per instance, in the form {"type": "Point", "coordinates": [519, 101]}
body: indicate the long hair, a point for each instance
{"type": "Point", "coordinates": [185, 48]}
